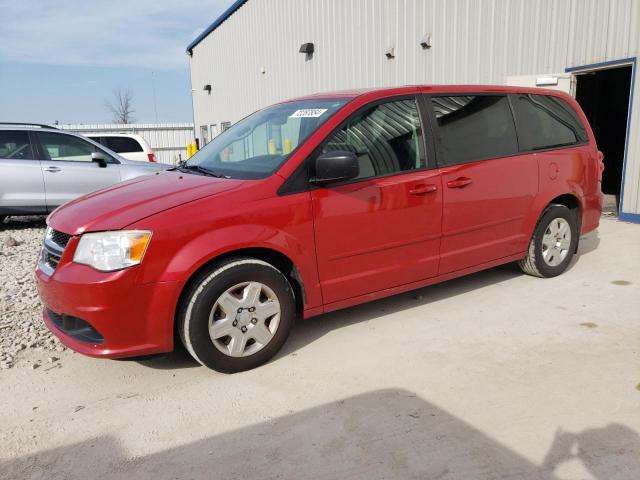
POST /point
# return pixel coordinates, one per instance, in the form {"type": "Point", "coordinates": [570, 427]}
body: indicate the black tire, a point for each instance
{"type": "Point", "coordinates": [201, 296]}
{"type": "Point", "coordinates": [2, 218]}
{"type": "Point", "coordinates": [534, 263]}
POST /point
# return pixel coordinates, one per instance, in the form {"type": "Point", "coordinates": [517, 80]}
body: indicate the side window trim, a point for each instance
{"type": "Point", "coordinates": [440, 156]}
{"type": "Point", "coordinates": [514, 117]}
{"type": "Point", "coordinates": [437, 159]}
{"type": "Point", "coordinates": [35, 142]}
{"type": "Point", "coordinates": [35, 148]}
{"type": "Point", "coordinates": [427, 131]}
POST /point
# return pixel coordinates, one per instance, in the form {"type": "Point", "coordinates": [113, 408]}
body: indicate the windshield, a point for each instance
{"type": "Point", "coordinates": [257, 145]}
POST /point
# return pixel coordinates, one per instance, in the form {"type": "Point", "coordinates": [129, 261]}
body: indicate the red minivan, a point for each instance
{"type": "Point", "coordinates": [317, 204]}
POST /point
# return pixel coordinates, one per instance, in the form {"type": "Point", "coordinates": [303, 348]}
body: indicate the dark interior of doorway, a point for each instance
{"type": "Point", "coordinates": [604, 97]}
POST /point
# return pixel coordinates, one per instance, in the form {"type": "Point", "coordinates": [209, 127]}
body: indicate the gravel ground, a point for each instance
{"type": "Point", "coordinates": [24, 339]}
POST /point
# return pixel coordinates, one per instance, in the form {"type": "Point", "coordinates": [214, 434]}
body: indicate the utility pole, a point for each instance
{"type": "Point", "coordinates": [153, 87]}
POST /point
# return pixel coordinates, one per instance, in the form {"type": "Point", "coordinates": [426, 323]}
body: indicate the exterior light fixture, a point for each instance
{"type": "Point", "coordinates": [546, 81]}
{"type": "Point", "coordinates": [207, 88]}
{"type": "Point", "coordinates": [426, 42]}
{"type": "Point", "coordinates": [307, 48]}
{"type": "Point", "coordinates": [390, 53]}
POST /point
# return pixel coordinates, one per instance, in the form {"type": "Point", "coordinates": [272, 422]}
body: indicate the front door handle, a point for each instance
{"type": "Point", "coordinates": [423, 189]}
{"type": "Point", "coordinates": [459, 182]}
{"type": "Point", "coordinates": [52, 169]}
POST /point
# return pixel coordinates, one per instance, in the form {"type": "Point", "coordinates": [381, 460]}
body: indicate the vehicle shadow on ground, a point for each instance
{"type": "Point", "coordinates": [588, 243]}
{"type": "Point", "coordinates": [389, 433]}
{"type": "Point", "coordinates": [307, 331]}
{"type": "Point", "coordinates": [178, 359]}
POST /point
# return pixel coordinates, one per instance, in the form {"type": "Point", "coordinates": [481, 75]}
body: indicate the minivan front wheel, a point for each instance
{"type": "Point", "coordinates": [236, 315]}
{"type": "Point", "coordinates": [553, 243]}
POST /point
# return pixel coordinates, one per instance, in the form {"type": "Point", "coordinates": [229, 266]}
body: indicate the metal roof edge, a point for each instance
{"type": "Point", "coordinates": [219, 21]}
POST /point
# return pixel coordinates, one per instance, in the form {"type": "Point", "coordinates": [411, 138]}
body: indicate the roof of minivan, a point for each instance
{"type": "Point", "coordinates": [428, 89]}
{"type": "Point", "coordinates": [110, 134]}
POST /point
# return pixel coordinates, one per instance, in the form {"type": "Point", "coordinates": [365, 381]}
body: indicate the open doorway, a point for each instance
{"type": "Point", "coordinates": [604, 94]}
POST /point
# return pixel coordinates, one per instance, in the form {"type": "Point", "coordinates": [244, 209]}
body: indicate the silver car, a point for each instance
{"type": "Point", "coordinates": [42, 167]}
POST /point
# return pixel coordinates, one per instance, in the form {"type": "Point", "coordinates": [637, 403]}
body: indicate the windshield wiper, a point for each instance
{"type": "Point", "coordinates": [203, 170]}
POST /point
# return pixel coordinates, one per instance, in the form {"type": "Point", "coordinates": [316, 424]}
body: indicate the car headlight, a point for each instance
{"type": "Point", "coordinates": [109, 251]}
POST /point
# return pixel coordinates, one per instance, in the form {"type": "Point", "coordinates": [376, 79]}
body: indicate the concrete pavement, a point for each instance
{"type": "Point", "coordinates": [496, 375]}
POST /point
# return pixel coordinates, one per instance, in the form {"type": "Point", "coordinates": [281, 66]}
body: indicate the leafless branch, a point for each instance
{"type": "Point", "coordinates": [121, 107]}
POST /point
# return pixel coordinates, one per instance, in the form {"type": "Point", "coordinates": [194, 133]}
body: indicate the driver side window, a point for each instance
{"type": "Point", "coordinates": [386, 138]}
{"type": "Point", "coordinates": [61, 147]}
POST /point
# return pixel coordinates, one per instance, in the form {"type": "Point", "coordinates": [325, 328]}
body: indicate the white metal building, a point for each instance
{"type": "Point", "coordinates": [250, 57]}
{"type": "Point", "coordinates": [167, 140]}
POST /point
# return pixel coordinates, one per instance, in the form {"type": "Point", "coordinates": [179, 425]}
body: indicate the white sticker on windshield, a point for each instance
{"type": "Point", "coordinates": [308, 113]}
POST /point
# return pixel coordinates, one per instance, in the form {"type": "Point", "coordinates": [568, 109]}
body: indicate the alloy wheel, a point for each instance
{"type": "Point", "coordinates": [556, 242]}
{"type": "Point", "coordinates": [244, 319]}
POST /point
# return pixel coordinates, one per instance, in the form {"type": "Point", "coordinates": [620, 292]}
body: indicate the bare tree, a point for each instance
{"type": "Point", "coordinates": [121, 106]}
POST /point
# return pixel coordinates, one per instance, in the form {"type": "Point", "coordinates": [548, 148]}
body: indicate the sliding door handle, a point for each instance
{"type": "Point", "coordinates": [423, 189]}
{"type": "Point", "coordinates": [459, 182]}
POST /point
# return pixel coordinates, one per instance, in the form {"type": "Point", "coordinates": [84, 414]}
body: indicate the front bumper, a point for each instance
{"type": "Point", "coordinates": [132, 319]}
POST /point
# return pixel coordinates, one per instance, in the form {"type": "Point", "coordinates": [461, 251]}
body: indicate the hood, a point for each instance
{"type": "Point", "coordinates": [151, 166]}
{"type": "Point", "coordinates": [124, 203]}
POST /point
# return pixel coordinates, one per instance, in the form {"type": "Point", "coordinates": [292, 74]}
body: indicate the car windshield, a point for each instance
{"type": "Point", "coordinates": [257, 145]}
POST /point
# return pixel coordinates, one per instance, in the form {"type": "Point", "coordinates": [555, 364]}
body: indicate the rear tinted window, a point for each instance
{"type": "Point", "coordinates": [547, 122]}
{"type": "Point", "coordinates": [15, 145]}
{"type": "Point", "coordinates": [122, 144]}
{"type": "Point", "coordinates": [474, 127]}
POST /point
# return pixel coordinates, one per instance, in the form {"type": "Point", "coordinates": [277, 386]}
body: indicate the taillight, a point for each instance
{"type": "Point", "coordinates": [151, 156]}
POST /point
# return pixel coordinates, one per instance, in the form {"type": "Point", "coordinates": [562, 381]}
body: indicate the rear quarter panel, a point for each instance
{"type": "Point", "coordinates": [572, 170]}
{"type": "Point", "coordinates": [567, 171]}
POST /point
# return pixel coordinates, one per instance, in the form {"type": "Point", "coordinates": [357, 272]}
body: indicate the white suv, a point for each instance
{"type": "Point", "coordinates": [128, 145]}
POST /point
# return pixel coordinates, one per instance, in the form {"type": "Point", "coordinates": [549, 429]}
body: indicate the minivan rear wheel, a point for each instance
{"type": "Point", "coordinates": [553, 243]}
{"type": "Point", "coordinates": [236, 315]}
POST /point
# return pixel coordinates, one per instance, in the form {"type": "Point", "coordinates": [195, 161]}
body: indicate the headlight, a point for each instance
{"type": "Point", "coordinates": [109, 251]}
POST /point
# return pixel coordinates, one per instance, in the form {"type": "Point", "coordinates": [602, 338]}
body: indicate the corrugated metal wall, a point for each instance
{"type": "Point", "coordinates": [474, 41]}
{"type": "Point", "coordinates": [168, 140]}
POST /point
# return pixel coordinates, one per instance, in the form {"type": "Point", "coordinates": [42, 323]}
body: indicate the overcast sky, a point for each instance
{"type": "Point", "coordinates": [60, 59]}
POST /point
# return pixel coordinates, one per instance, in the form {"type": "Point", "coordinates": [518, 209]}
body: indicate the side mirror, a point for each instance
{"type": "Point", "coordinates": [336, 166]}
{"type": "Point", "coordinates": [100, 159]}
